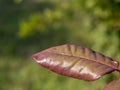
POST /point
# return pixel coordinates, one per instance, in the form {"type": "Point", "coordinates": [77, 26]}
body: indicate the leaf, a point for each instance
{"type": "Point", "coordinates": [114, 85]}
{"type": "Point", "coordinates": [76, 61]}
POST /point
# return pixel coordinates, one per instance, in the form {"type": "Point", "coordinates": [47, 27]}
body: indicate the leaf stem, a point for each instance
{"type": "Point", "coordinates": [118, 70]}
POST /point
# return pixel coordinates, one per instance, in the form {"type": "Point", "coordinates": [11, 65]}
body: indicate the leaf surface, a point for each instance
{"type": "Point", "coordinates": [114, 85]}
{"type": "Point", "coordinates": [76, 61]}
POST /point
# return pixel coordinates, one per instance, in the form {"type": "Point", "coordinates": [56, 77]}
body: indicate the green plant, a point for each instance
{"type": "Point", "coordinates": [78, 62]}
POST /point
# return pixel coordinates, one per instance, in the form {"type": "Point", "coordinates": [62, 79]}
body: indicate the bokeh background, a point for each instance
{"type": "Point", "coordinates": [29, 26]}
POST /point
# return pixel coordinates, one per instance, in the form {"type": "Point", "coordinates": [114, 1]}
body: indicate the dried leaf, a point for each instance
{"type": "Point", "coordinates": [76, 61]}
{"type": "Point", "coordinates": [114, 85]}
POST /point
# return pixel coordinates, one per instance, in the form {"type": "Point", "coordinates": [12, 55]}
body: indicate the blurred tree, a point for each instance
{"type": "Point", "coordinates": [36, 24]}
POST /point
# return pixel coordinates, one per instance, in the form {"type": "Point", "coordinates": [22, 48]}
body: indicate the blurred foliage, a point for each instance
{"type": "Point", "coordinates": [29, 76]}
{"type": "Point", "coordinates": [28, 26]}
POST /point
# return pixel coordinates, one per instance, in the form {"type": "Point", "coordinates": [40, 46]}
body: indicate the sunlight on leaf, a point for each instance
{"type": "Point", "coordinates": [76, 61]}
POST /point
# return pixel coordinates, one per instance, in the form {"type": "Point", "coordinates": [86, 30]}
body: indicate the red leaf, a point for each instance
{"type": "Point", "coordinates": [76, 61]}
{"type": "Point", "coordinates": [114, 85]}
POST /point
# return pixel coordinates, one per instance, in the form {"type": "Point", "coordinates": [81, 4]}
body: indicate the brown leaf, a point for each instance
{"type": "Point", "coordinates": [114, 85]}
{"type": "Point", "coordinates": [76, 61]}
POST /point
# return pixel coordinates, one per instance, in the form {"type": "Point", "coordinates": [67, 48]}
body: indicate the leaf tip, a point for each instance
{"type": "Point", "coordinates": [36, 57]}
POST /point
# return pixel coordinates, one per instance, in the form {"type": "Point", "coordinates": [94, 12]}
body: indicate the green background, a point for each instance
{"type": "Point", "coordinates": [29, 26]}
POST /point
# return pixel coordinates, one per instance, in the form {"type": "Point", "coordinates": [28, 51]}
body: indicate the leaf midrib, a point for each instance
{"type": "Point", "coordinates": [93, 60]}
